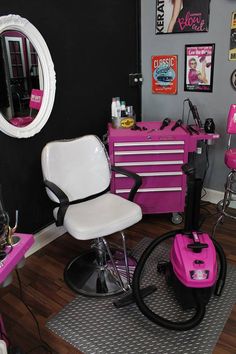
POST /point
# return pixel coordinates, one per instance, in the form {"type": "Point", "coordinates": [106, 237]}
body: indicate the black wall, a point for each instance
{"type": "Point", "coordinates": [94, 47]}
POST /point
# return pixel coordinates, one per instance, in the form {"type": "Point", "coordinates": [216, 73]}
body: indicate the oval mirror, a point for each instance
{"type": "Point", "coordinates": [27, 78]}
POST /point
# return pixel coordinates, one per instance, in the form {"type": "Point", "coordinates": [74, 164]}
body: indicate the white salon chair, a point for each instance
{"type": "Point", "coordinates": [77, 176]}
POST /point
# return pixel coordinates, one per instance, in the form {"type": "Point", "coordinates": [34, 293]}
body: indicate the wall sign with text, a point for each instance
{"type": "Point", "coordinates": [199, 67]}
{"type": "Point", "coordinates": [232, 48]}
{"type": "Point", "coordinates": [178, 16]}
{"type": "Point", "coordinates": [164, 74]}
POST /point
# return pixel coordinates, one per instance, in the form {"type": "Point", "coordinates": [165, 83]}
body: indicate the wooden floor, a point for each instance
{"type": "Point", "coordinates": [46, 293]}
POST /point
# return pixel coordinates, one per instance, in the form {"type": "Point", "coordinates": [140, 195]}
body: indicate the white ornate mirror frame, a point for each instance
{"type": "Point", "coordinates": [17, 23]}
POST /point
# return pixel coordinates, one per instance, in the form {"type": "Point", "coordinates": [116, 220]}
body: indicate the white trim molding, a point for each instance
{"type": "Point", "coordinates": [44, 237]}
{"type": "Point", "coordinates": [214, 197]}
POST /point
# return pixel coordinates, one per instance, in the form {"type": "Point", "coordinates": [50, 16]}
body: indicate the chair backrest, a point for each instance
{"type": "Point", "coordinates": [80, 167]}
{"type": "Point", "coordinates": [36, 99]}
{"type": "Point", "coordinates": [231, 122]}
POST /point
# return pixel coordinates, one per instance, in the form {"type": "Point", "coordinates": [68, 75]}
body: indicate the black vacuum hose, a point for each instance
{"type": "Point", "coordinates": [200, 308]}
{"type": "Point", "coordinates": [223, 268]}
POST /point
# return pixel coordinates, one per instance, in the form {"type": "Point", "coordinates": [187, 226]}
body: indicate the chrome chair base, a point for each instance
{"type": "Point", "coordinates": [224, 204]}
{"type": "Point", "coordinates": [87, 277]}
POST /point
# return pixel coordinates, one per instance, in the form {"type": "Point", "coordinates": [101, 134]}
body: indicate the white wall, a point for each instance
{"type": "Point", "coordinates": [215, 104]}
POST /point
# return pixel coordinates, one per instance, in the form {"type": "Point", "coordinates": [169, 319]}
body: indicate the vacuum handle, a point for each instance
{"type": "Point", "coordinates": [197, 246]}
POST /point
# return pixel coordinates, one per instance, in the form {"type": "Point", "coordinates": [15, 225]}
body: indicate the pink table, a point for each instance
{"type": "Point", "coordinates": [15, 255]}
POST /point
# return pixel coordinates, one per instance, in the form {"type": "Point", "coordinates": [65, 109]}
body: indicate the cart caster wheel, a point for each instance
{"type": "Point", "coordinates": [176, 218]}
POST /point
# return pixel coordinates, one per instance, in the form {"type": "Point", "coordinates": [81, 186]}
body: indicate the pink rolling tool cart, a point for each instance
{"type": "Point", "coordinates": [156, 155]}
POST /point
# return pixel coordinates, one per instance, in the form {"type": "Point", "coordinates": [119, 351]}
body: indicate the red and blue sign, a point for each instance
{"type": "Point", "coordinates": [164, 74]}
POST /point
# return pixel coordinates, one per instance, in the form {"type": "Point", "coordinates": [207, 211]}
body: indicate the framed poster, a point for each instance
{"type": "Point", "coordinates": [178, 16]}
{"type": "Point", "coordinates": [232, 48]}
{"type": "Point", "coordinates": [199, 67]}
{"type": "Point", "coordinates": [164, 74]}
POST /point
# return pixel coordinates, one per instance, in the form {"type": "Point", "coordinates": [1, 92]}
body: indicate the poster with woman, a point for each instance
{"type": "Point", "coordinates": [199, 66]}
{"type": "Point", "coordinates": [178, 16]}
{"type": "Point", "coordinates": [232, 49]}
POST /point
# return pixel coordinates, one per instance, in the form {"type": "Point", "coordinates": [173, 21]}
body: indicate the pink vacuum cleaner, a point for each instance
{"type": "Point", "coordinates": [193, 258]}
{"type": "Point", "coordinates": [193, 270]}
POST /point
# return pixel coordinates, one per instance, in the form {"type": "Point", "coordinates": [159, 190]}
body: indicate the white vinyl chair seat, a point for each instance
{"type": "Point", "coordinates": [100, 216]}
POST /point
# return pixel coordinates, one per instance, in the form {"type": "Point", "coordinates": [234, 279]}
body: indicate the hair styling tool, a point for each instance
{"type": "Point", "coordinates": [165, 123]}
{"type": "Point", "coordinates": [193, 130]}
{"type": "Point", "coordinates": [209, 126]}
{"type": "Point", "coordinates": [195, 114]}
{"type": "Point", "coordinates": [177, 124]}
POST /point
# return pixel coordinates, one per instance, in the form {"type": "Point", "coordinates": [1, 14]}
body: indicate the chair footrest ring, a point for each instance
{"type": "Point", "coordinates": [85, 276]}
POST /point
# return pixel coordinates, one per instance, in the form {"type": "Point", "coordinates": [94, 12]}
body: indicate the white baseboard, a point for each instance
{"type": "Point", "coordinates": [44, 237]}
{"type": "Point", "coordinates": [214, 197]}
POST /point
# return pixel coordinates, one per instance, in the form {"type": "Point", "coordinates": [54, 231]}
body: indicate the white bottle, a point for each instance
{"type": "Point", "coordinates": [113, 107]}
{"type": "Point", "coordinates": [123, 109]}
{"type": "Point", "coordinates": [118, 107]}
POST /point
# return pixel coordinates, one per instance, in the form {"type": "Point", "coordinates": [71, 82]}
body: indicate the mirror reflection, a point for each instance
{"type": "Point", "coordinates": [21, 79]}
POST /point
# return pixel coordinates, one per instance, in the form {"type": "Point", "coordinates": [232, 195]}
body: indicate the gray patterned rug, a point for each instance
{"type": "Point", "coordinates": [95, 326]}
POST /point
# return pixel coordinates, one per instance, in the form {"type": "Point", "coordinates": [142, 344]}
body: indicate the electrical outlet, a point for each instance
{"type": "Point", "coordinates": [135, 79]}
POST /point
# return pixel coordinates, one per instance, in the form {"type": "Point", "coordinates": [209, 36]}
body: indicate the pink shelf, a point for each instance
{"type": "Point", "coordinates": [15, 255]}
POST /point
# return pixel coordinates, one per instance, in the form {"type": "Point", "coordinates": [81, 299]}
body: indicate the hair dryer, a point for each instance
{"type": "Point", "coordinates": [195, 114]}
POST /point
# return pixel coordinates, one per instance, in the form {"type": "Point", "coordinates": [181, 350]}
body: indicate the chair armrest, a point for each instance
{"type": "Point", "coordinates": [135, 176]}
{"type": "Point", "coordinates": [63, 201]}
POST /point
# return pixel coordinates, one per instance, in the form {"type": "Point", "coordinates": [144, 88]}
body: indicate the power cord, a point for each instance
{"type": "Point", "coordinates": [207, 161]}
{"type": "Point", "coordinates": [44, 344]}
